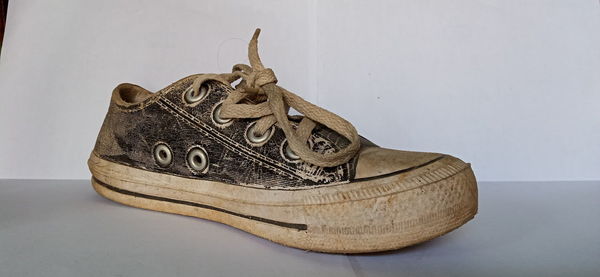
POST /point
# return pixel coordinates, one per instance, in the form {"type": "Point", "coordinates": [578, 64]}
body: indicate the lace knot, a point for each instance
{"type": "Point", "coordinates": [263, 77]}
{"type": "Point", "coordinates": [258, 96]}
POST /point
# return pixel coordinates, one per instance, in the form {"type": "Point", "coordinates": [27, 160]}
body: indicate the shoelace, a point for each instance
{"type": "Point", "coordinates": [258, 96]}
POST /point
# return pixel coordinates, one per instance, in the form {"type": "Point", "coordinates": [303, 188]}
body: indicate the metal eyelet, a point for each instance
{"type": "Point", "coordinates": [256, 139]}
{"type": "Point", "coordinates": [163, 154]}
{"type": "Point", "coordinates": [216, 115]}
{"type": "Point", "coordinates": [191, 97]}
{"type": "Point", "coordinates": [197, 160]}
{"type": "Point", "coordinates": [288, 154]}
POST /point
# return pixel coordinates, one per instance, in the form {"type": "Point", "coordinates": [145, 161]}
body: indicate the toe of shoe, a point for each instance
{"type": "Point", "coordinates": [376, 162]}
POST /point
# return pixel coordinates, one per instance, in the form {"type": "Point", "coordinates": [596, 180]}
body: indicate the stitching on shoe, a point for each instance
{"type": "Point", "coordinates": [228, 142]}
{"type": "Point", "coordinates": [251, 154]}
{"type": "Point", "coordinates": [297, 173]}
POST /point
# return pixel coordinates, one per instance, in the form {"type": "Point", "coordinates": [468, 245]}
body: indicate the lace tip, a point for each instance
{"type": "Point", "coordinates": [256, 33]}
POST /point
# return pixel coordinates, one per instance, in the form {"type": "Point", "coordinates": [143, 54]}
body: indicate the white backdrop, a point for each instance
{"type": "Point", "coordinates": [511, 86]}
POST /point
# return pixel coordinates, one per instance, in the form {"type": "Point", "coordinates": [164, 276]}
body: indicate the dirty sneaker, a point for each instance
{"type": "Point", "coordinates": [203, 148]}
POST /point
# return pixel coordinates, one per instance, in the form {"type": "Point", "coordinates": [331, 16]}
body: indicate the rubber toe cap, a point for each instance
{"type": "Point", "coordinates": [374, 162]}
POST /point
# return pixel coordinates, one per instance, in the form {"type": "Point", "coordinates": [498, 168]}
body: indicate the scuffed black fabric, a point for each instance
{"type": "Point", "coordinates": [131, 133]}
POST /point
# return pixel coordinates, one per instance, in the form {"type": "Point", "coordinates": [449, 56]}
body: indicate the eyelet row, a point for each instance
{"type": "Point", "coordinates": [252, 138]}
{"type": "Point", "coordinates": [163, 156]}
{"type": "Point", "coordinates": [196, 158]}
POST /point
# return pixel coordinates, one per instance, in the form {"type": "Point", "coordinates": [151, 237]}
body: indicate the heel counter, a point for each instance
{"type": "Point", "coordinates": [126, 99]}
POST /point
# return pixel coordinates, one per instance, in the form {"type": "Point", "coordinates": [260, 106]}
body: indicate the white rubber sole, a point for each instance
{"type": "Point", "coordinates": [367, 216]}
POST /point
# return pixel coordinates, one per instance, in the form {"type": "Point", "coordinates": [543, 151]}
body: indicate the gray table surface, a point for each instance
{"type": "Point", "coordinates": [63, 228]}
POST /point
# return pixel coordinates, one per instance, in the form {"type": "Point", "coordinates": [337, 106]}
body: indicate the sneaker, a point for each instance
{"type": "Point", "coordinates": [232, 154]}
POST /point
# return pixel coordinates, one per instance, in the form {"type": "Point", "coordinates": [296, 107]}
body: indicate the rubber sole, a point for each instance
{"type": "Point", "coordinates": [368, 216]}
